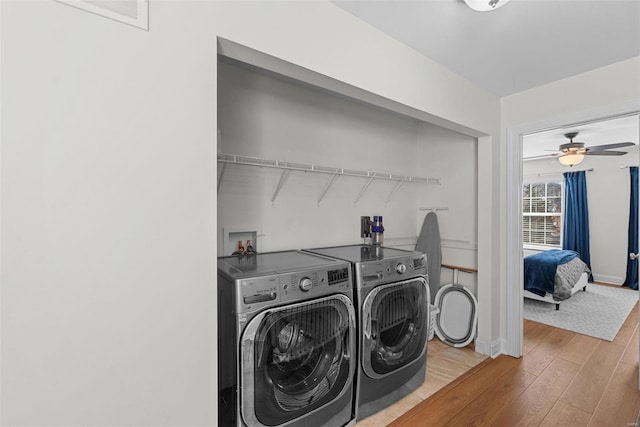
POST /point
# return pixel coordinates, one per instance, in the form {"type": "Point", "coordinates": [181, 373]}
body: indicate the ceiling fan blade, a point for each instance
{"type": "Point", "coordinates": [543, 156]}
{"type": "Point", "coordinates": [606, 153]}
{"type": "Point", "coordinates": [608, 146]}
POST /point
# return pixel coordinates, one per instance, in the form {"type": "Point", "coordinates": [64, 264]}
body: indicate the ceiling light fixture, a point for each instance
{"type": "Point", "coordinates": [571, 159]}
{"type": "Point", "coordinates": [485, 5]}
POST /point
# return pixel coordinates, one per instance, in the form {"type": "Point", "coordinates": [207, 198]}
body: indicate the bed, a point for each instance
{"type": "Point", "coordinates": [555, 275]}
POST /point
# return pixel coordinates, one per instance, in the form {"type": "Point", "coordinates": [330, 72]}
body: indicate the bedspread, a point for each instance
{"type": "Point", "coordinates": [553, 271]}
{"type": "Point", "coordinates": [567, 275]}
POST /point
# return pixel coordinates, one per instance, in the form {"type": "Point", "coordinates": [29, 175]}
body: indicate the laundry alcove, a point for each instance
{"type": "Point", "coordinates": [287, 113]}
{"type": "Point", "coordinates": [301, 157]}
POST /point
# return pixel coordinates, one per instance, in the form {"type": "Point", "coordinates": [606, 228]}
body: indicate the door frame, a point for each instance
{"type": "Point", "coordinates": [515, 269]}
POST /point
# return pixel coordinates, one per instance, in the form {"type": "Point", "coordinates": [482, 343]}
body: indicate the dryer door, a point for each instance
{"type": "Point", "coordinates": [296, 359]}
{"type": "Point", "coordinates": [395, 326]}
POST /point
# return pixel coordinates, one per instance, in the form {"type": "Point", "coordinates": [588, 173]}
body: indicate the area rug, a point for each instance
{"type": "Point", "coordinates": [598, 312]}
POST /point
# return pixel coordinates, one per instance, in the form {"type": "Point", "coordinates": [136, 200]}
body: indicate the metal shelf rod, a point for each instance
{"type": "Point", "coordinates": [279, 164]}
{"type": "Point", "coordinates": [396, 188]}
{"type": "Point", "coordinates": [326, 188]}
{"type": "Point", "coordinates": [221, 175]}
{"type": "Point", "coordinates": [363, 190]}
{"type": "Point", "coordinates": [283, 178]}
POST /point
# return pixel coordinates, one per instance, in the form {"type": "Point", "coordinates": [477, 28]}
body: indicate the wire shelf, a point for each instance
{"type": "Point", "coordinates": [303, 167]}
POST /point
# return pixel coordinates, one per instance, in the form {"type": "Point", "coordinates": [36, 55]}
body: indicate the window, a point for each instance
{"type": "Point", "coordinates": [542, 213]}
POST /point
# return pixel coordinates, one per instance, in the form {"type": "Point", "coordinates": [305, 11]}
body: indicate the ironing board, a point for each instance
{"type": "Point", "coordinates": [429, 243]}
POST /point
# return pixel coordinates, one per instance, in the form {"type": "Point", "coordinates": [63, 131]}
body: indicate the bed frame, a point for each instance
{"type": "Point", "coordinates": [580, 284]}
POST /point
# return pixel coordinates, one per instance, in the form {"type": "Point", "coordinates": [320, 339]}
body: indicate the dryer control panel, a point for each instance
{"type": "Point", "coordinates": [372, 273]}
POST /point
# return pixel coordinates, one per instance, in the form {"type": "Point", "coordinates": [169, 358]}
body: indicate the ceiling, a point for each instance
{"type": "Point", "coordinates": [622, 129]}
{"type": "Point", "coordinates": [524, 44]}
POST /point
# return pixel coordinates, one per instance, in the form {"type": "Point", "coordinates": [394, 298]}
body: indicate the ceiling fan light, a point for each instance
{"type": "Point", "coordinates": [571, 159]}
{"type": "Point", "coordinates": [485, 5]}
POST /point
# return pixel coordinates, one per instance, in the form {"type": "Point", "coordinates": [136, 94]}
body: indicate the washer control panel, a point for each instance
{"type": "Point", "coordinates": [276, 289]}
{"type": "Point", "coordinates": [315, 283]}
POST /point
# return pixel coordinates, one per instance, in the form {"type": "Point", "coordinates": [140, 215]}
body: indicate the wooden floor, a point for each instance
{"type": "Point", "coordinates": [564, 378]}
{"type": "Point", "coordinates": [444, 365]}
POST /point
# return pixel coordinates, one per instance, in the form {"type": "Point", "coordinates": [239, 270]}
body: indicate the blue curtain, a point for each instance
{"type": "Point", "coordinates": [631, 280]}
{"type": "Point", "coordinates": [575, 235]}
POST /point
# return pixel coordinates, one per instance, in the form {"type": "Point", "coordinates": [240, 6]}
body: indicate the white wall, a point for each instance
{"type": "Point", "coordinates": [109, 200]}
{"type": "Point", "coordinates": [608, 196]}
{"type": "Point", "coordinates": [454, 158]}
{"type": "Point", "coordinates": [569, 99]}
{"type": "Point", "coordinates": [108, 221]}
{"type": "Point", "coordinates": [594, 89]}
{"type": "Point", "coordinates": [261, 115]}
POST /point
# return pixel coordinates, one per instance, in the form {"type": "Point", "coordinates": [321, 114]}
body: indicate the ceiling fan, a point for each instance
{"type": "Point", "coordinates": [573, 152]}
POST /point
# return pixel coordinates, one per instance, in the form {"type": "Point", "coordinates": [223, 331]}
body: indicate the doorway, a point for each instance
{"type": "Point", "coordinates": [515, 137]}
{"type": "Point", "coordinates": [607, 177]}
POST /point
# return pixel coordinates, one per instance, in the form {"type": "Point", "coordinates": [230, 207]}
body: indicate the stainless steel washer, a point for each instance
{"type": "Point", "coordinates": [392, 295]}
{"type": "Point", "coordinates": [287, 340]}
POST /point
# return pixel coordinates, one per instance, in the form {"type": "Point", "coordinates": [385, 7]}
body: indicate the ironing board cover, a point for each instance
{"type": "Point", "coordinates": [429, 243]}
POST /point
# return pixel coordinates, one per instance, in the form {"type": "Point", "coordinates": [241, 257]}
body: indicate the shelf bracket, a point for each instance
{"type": "Point", "coordinates": [364, 188]}
{"type": "Point", "coordinates": [395, 188]}
{"type": "Point", "coordinates": [326, 188]}
{"type": "Point", "coordinates": [283, 178]}
{"type": "Point", "coordinates": [224, 165]}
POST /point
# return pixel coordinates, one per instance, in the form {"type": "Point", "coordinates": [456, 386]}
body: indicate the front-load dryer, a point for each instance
{"type": "Point", "coordinates": [392, 295]}
{"type": "Point", "coordinates": [287, 340]}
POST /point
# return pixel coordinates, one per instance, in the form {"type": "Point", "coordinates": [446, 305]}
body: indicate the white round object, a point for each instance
{"type": "Point", "coordinates": [485, 5]}
{"type": "Point", "coordinates": [457, 320]}
{"type": "Point", "coordinates": [306, 284]}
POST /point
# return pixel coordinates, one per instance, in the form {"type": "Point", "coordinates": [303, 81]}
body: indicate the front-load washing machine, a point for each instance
{"type": "Point", "coordinates": [392, 295]}
{"type": "Point", "coordinates": [287, 340]}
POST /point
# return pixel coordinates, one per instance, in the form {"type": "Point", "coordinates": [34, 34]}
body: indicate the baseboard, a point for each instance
{"type": "Point", "coordinates": [492, 349]}
{"type": "Point", "coordinates": [611, 280]}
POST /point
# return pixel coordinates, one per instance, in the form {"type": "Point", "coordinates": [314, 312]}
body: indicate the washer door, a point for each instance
{"type": "Point", "coordinates": [295, 359]}
{"type": "Point", "coordinates": [458, 317]}
{"type": "Point", "coordinates": [395, 326]}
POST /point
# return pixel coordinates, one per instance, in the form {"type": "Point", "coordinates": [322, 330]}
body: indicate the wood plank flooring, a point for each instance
{"type": "Point", "coordinates": [444, 365]}
{"type": "Point", "coordinates": [564, 378]}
